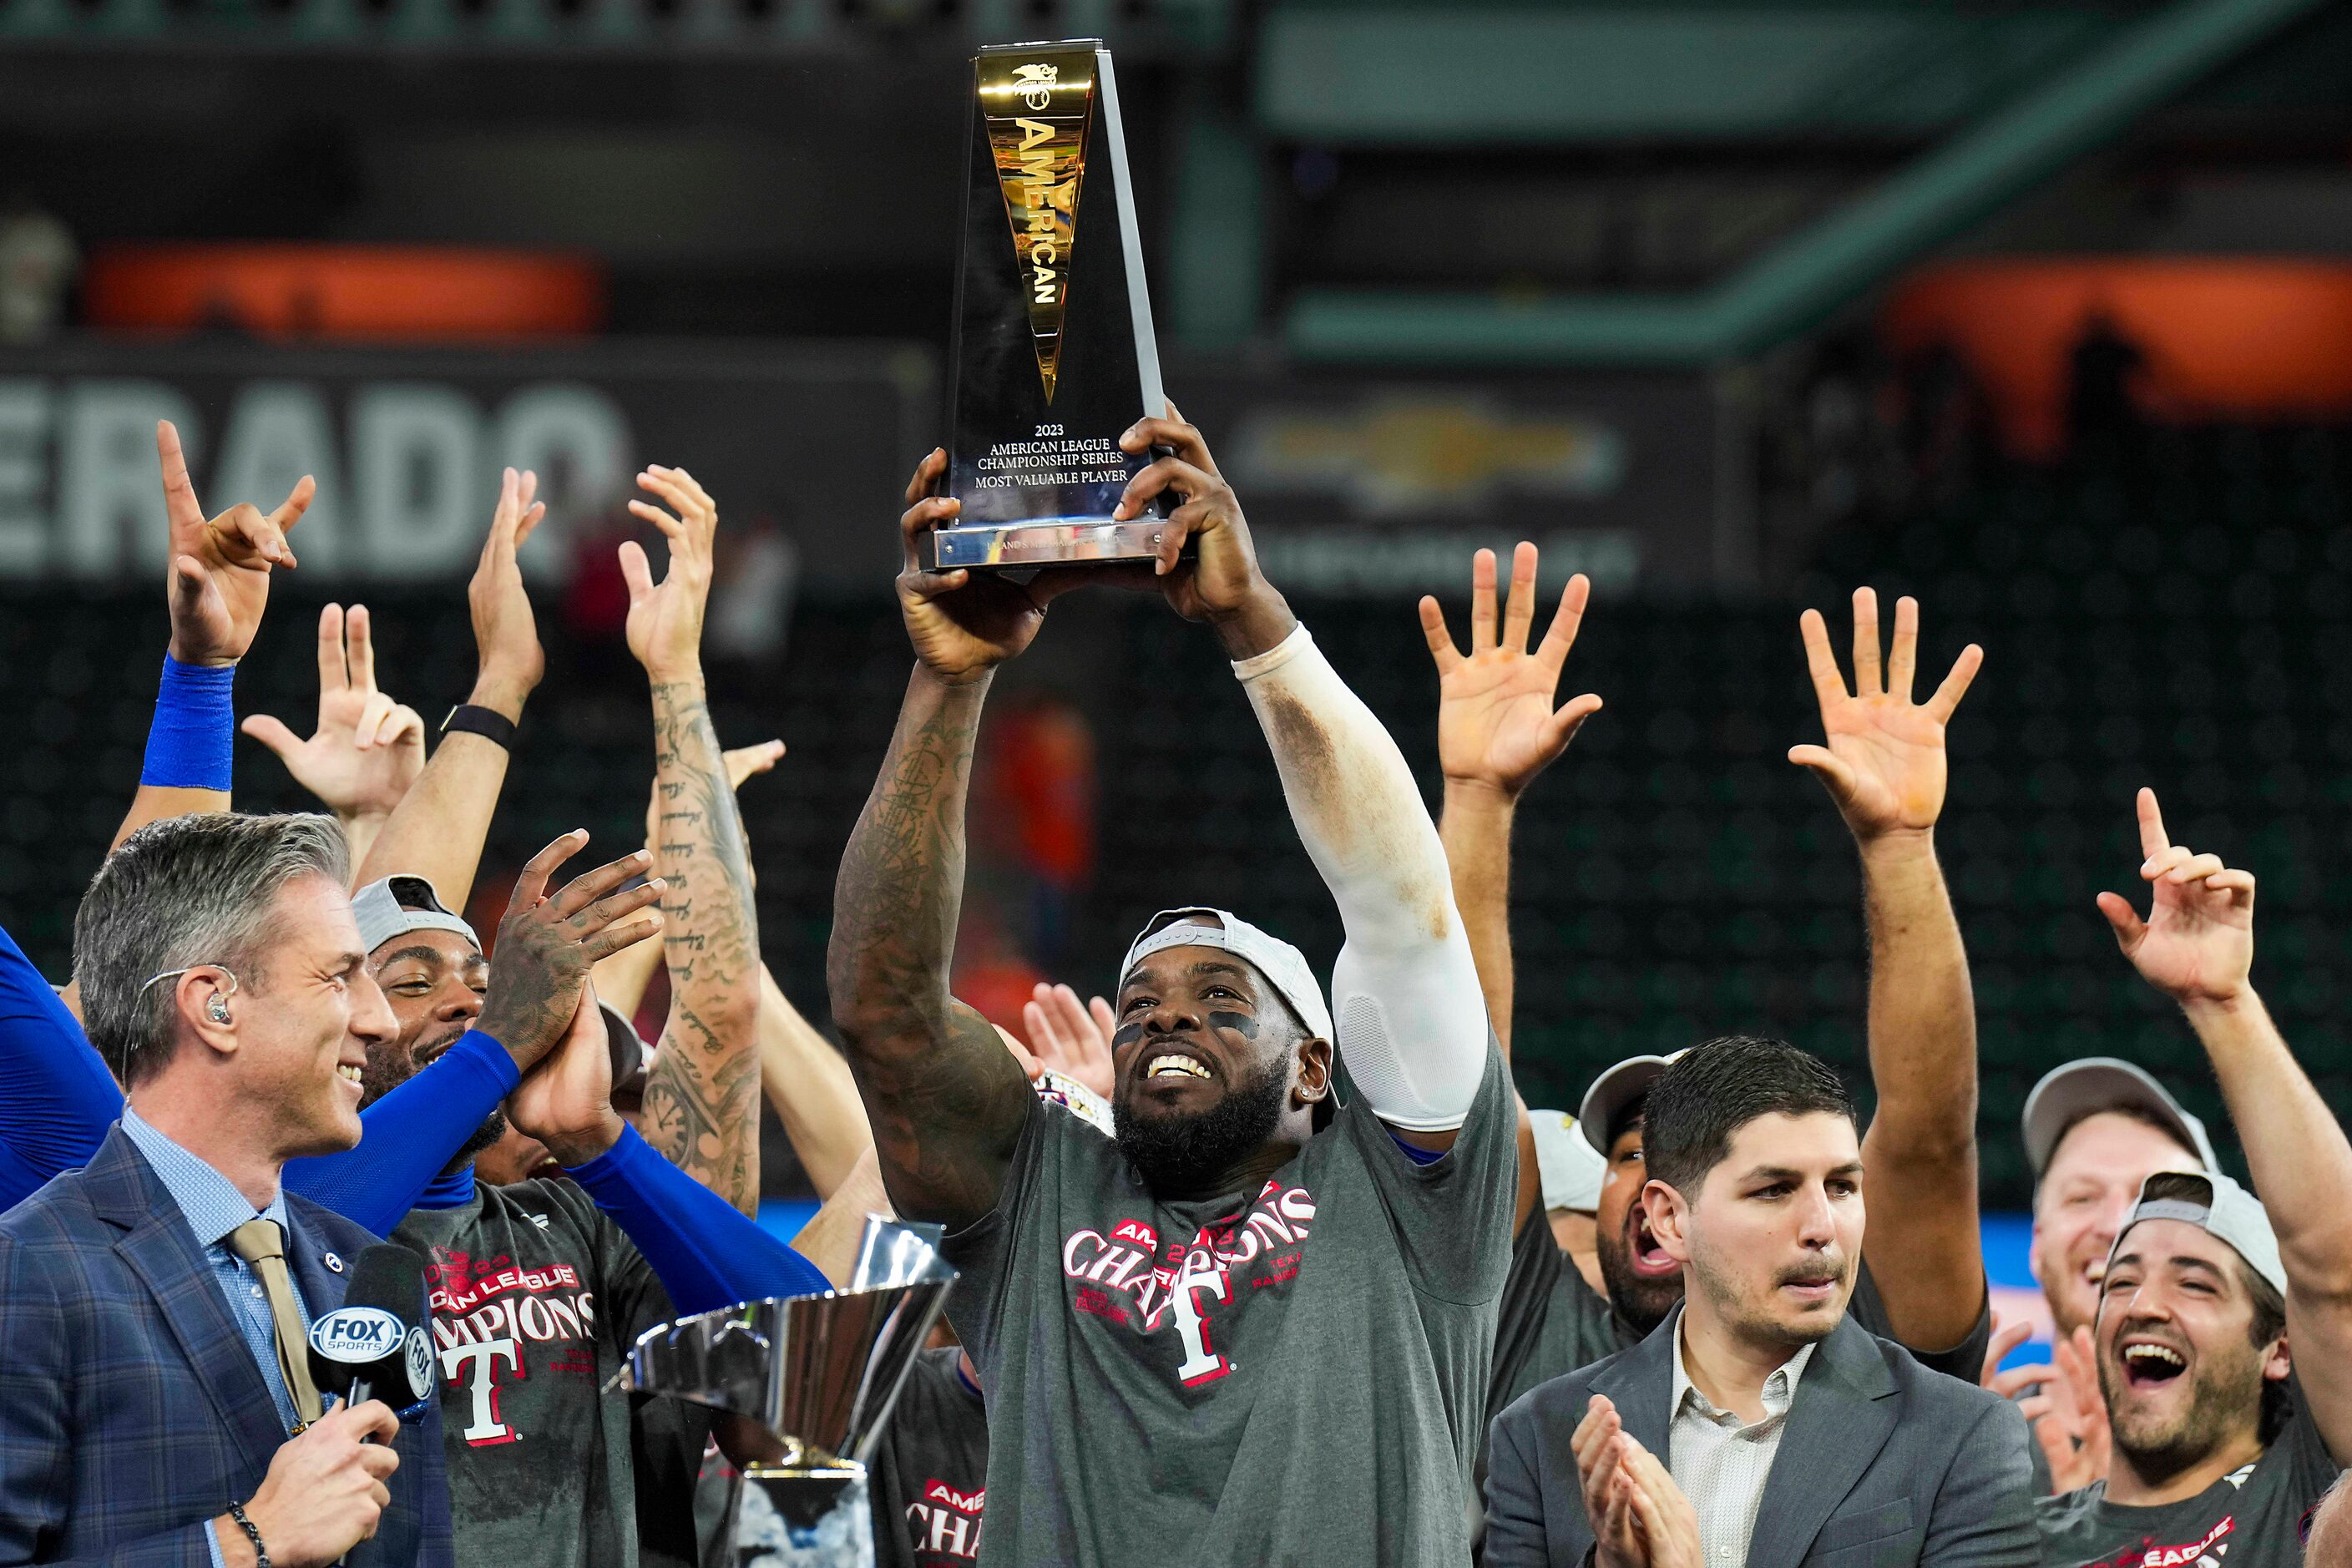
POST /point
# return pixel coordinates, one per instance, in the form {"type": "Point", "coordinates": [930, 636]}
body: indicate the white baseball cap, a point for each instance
{"type": "Point", "coordinates": [1572, 1169]}
{"type": "Point", "coordinates": [1284, 966]}
{"type": "Point", "coordinates": [2073, 1090]}
{"type": "Point", "coordinates": [1615, 1089]}
{"type": "Point", "coordinates": [2217, 1206]}
{"type": "Point", "coordinates": [395, 906]}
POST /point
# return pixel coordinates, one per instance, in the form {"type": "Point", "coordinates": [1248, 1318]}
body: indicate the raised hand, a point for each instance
{"type": "Point", "coordinates": [1071, 1037]}
{"type": "Point", "coordinates": [1496, 725]}
{"type": "Point", "coordinates": [545, 945]}
{"type": "Point", "coordinates": [2069, 1415]}
{"type": "Point", "coordinates": [742, 762]}
{"type": "Point", "coordinates": [2198, 941]}
{"type": "Point", "coordinates": [506, 633]}
{"type": "Point", "coordinates": [366, 749]}
{"type": "Point", "coordinates": [1223, 583]}
{"type": "Point", "coordinates": [566, 1101]}
{"type": "Point", "coordinates": [1884, 764]}
{"type": "Point", "coordinates": [963, 625]}
{"type": "Point", "coordinates": [665, 627]}
{"type": "Point", "coordinates": [220, 567]}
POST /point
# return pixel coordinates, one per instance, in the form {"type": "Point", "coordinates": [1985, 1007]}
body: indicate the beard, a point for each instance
{"type": "Point", "coordinates": [388, 1069]}
{"type": "Point", "coordinates": [1642, 1300]}
{"type": "Point", "coordinates": [1754, 1320]}
{"type": "Point", "coordinates": [1190, 1153]}
{"type": "Point", "coordinates": [2222, 1390]}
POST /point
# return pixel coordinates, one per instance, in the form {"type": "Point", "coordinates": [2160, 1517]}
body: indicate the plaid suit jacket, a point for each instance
{"type": "Point", "coordinates": [131, 1414]}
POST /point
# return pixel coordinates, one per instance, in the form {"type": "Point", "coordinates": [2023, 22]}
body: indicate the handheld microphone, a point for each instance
{"type": "Point", "coordinates": [371, 1347]}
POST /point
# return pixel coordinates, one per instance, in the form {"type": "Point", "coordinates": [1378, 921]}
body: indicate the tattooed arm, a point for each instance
{"type": "Point", "coordinates": [701, 1101]}
{"type": "Point", "coordinates": [945, 1098]}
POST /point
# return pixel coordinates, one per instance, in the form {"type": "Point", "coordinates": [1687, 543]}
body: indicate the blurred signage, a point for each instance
{"type": "Point", "coordinates": [1355, 484]}
{"type": "Point", "coordinates": [1359, 484]}
{"type": "Point", "coordinates": [407, 446]}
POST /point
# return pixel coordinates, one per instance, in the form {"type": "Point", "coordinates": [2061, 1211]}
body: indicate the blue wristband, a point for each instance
{"type": "Point", "coordinates": [192, 744]}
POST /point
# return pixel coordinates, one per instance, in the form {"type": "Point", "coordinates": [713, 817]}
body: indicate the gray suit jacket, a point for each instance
{"type": "Point", "coordinates": [1884, 1462]}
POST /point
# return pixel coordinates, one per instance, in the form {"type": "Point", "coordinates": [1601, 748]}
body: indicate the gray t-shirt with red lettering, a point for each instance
{"type": "Point", "coordinates": [535, 1297]}
{"type": "Point", "coordinates": [1294, 1375]}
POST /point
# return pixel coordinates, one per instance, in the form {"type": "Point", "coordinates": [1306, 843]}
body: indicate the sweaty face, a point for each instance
{"type": "Point", "coordinates": [1644, 1280]}
{"type": "Point", "coordinates": [1772, 1240]}
{"type": "Point", "coordinates": [1205, 1054]}
{"type": "Point", "coordinates": [2181, 1375]}
{"type": "Point", "coordinates": [2086, 1194]}
{"type": "Point", "coordinates": [309, 1017]}
{"type": "Point", "coordinates": [435, 980]}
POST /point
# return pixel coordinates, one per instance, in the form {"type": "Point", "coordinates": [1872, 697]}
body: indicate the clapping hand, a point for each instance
{"type": "Point", "coordinates": [366, 749]}
{"type": "Point", "coordinates": [1497, 728]}
{"type": "Point", "coordinates": [1640, 1518]}
{"type": "Point", "coordinates": [220, 567]}
{"type": "Point", "coordinates": [1884, 764]}
{"type": "Point", "coordinates": [2198, 941]}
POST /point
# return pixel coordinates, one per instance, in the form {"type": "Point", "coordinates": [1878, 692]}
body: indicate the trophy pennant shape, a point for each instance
{"type": "Point", "coordinates": [1039, 113]}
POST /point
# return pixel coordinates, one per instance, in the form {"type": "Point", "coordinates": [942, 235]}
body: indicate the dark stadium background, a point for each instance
{"type": "Point", "coordinates": [1689, 246]}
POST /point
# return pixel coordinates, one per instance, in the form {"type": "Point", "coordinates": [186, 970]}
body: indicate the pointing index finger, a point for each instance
{"type": "Point", "coordinates": [2152, 841]}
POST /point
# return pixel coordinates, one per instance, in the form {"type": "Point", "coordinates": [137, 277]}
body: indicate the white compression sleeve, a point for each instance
{"type": "Point", "coordinates": [1411, 1020]}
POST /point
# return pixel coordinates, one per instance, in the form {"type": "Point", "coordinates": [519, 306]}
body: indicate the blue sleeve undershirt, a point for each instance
{"type": "Point", "coordinates": [701, 1248]}
{"type": "Point", "coordinates": [412, 1135]}
{"type": "Point", "coordinates": [56, 1098]}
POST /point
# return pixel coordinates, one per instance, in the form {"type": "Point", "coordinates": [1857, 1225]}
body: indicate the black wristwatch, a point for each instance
{"type": "Point", "coordinates": [487, 722]}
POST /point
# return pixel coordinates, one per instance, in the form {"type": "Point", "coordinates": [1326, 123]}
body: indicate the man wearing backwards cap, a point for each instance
{"type": "Point", "coordinates": [2094, 1130]}
{"type": "Point", "coordinates": [2221, 1451]}
{"type": "Point", "coordinates": [1226, 1337]}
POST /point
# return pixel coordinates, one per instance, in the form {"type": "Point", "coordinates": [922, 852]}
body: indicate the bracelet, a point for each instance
{"type": "Point", "coordinates": [487, 722]}
{"type": "Point", "coordinates": [260, 1553]}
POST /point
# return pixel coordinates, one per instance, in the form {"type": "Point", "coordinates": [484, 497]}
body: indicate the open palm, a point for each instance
{"type": "Point", "coordinates": [1496, 722]}
{"type": "Point", "coordinates": [367, 748]}
{"type": "Point", "coordinates": [1884, 762]}
{"type": "Point", "coordinates": [2198, 941]}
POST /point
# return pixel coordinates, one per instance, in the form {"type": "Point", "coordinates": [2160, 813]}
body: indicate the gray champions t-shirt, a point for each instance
{"type": "Point", "coordinates": [1292, 1376]}
{"type": "Point", "coordinates": [2253, 1517]}
{"type": "Point", "coordinates": [930, 1473]}
{"type": "Point", "coordinates": [535, 1296]}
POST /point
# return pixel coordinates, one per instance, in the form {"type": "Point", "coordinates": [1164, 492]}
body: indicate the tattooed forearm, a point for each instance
{"type": "Point", "coordinates": [701, 1103]}
{"type": "Point", "coordinates": [944, 1096]}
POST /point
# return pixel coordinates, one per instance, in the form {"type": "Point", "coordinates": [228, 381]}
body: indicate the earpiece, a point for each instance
{"type": "Point", "coordinates": [218, 1010]}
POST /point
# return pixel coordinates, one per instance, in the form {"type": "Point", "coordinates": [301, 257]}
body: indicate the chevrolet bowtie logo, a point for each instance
{"type": "Point", "coordinates": [1421, 453]}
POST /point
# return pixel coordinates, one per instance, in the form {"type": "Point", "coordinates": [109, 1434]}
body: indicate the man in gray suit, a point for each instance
{"type": "Point", "coordinates": [1757, 1425]}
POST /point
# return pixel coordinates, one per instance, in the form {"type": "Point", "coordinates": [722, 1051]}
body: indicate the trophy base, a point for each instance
{"type": "Point", "coordinates": [1057, 541]}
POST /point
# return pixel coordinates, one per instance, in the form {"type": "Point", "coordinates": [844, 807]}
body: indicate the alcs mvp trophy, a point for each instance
{"type": "Point", "coordinates": [1054, 356]}
{"type": "Point", "coordinates": [805, 1384]}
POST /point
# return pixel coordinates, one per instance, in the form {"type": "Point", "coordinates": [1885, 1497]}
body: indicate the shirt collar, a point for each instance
{"type": "Point", "coordinates": [208, 1201]}
{"type": "Point", "coordinates": [1779, 1389]}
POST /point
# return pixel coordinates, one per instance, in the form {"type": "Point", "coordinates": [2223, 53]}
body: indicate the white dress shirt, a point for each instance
{"type": "Point", "coordinates": [1722, 1465]}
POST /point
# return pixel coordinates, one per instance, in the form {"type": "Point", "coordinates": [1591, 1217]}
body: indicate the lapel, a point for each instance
{"type": "Point", "coordinates": [160, 1249]}
{"type": "Point", "coordinates": [1640, 1381]}
{"type": "Point", "coordinates": [1844, 1409]}
{"type": "Point", "coordinates": [306, 1256]}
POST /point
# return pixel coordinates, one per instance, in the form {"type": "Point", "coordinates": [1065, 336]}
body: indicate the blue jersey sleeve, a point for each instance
{"type": "Point", "coordinates": [411, 1135]}
{"type": "Point", "coordinates": [702, 1249]}
{"type": "Point", "coordinates": [56, 1098]}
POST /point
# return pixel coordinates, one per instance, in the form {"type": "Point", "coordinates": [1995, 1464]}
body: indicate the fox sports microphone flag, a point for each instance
{"type": "Point", "coordinates": [372, 1347]}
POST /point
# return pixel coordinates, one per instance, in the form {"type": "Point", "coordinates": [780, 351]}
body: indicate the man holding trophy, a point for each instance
{"type": "Point", "coordinates": [1254, 1326]}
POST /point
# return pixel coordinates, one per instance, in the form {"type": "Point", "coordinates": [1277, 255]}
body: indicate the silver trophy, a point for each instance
{"type": "Point", "coordinates": [805, 1384]}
